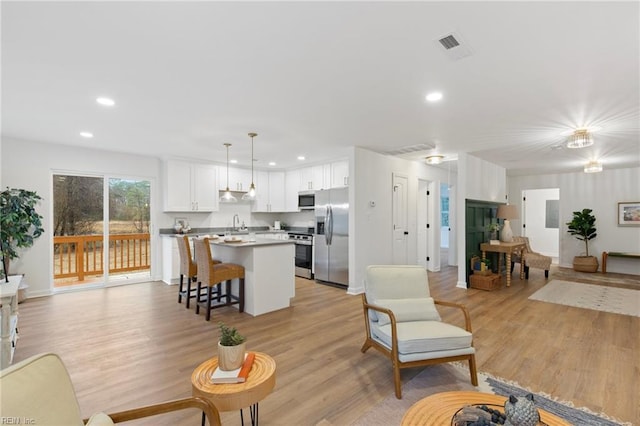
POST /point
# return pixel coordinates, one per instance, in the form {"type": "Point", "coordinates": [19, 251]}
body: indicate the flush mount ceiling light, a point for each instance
{"type": "Point", "coordinates": [87, 135]}
{"type": "Point", "coordinates": [593, 167]}
{"type": "Point", "coordinates": [227, 196]}
{"type": "Point", "coordinates": [105, 101]}
{"type": "Point", "coordinates": [581, 138]}
{"type": "Point", "coordinates": [434, 159]}
{"type": "Point", "coordinates": [434, 97]}
{"type": "Point", "coordinates": [251, 195]}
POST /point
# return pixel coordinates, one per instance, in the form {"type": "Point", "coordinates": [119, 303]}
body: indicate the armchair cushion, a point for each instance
{"type": "Point", "coordinates": [424, 336]}
{"type": "Point", "coordinates": [100, 419]}
{"type": "Point", "coordinates": [420, 309]}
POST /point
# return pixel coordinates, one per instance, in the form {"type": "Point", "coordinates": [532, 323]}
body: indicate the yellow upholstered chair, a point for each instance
{"type": "Point", "coordinates": [39, 390]}
{"type": "Point", "coordinates": [403, 323]}
{"type": "Point", "coordinates": [212, 274]}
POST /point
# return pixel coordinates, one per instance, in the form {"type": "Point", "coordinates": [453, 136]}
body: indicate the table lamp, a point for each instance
{"type": "Point", "coordinates": [507, 212]}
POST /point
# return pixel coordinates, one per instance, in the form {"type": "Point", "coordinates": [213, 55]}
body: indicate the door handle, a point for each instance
{"type": "Point", "coordinates": [406, 233]}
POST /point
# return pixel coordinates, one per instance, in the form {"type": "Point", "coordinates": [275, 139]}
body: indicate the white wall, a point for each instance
{"type": "Point", "coordinates": [600, 192]}
{"type": "Point", "coordinates": [371, 227]}
{"type": "Point", "coordinates": [30, 165]}
{"type": "Point", "coordinates": [477, 180]}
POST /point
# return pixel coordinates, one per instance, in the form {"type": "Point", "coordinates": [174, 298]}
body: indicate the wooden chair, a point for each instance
{"type": "Point", "coordinates": [40, 389]}
{"type": "Point", "coordinates": [188, 269]}
{"type": "Point", "coordinates": [402, 322]}
{"type": "Point", "coordinates": [531, 259]}
{"type": "Point", "coordinates": [213, 274]}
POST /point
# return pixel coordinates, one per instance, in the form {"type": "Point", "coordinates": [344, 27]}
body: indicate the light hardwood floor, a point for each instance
{"type": "Point", "coordinates": [133, 345]}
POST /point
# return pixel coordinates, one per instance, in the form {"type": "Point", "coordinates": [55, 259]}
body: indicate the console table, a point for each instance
{"type": "Point", "coordinates": [508, 249]}
{"type": "Point", "coordinates": [9, 318]}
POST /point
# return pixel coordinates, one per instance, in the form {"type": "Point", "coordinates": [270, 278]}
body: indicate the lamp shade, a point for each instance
{"type": "Point", "coordinates": [507, 211]}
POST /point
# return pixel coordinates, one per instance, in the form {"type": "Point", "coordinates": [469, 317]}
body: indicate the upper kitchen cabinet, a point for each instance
{"type": "Point", "coordinates": [339, 174]}
{"type": "Point", "coordinates": [270, 192]}
{"type": "Point", "coordinates": [190, 187]}
{"type": "Point", "coordinates": [291, 189]}
{"type": "Point", "coordinates": [315, 177]}
{"type": "Point", "coordinates": [239, 179]}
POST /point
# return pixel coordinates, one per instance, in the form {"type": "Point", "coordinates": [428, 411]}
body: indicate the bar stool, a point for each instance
{"type": "Point", "coordinates": [189, 269]}
{"type": "Point", "coordinates": [214, 274]}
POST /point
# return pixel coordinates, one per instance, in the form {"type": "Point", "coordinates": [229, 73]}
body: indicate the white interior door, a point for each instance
{"type": "Point", "coordinates": [400, 230]}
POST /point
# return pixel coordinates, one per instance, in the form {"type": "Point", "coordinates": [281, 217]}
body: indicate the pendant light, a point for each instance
{"type": "Point", "coordinates": [251, 195]}
{"type": "Point", "coordinates": [228, 197]}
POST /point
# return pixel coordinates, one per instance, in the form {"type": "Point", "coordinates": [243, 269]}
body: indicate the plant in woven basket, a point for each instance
{"type": "Point", "coordinates": [583, 227]}
{"type": "Point", "coordinates": [231, 348]}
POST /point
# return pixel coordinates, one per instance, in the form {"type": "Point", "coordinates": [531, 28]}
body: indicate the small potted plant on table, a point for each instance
{"type": "Point", "coordinates": [231, 348]}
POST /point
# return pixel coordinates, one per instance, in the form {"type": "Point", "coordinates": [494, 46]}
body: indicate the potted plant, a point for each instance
{"type": "Point", "coordinates": [493, 229]}
{"type": "Point", "coordinates": [20, 224]}
{"type": "Point", "coordinates": [231, 348]}
{"type": "Point", "coordinates": [583, 228]}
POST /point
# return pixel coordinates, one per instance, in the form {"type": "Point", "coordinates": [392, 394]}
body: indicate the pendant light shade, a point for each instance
{"type": "Point", "coordinates": [251, 195]}
{"type": "Point", "coordinates": [227, 196]}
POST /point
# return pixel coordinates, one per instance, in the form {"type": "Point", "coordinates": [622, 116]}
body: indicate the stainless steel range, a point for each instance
{"type": "Point", "coordinates": [304, 253]}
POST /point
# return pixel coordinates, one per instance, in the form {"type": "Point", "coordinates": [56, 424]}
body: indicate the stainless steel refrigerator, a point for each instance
{"type": "Point", "coordinates": [331, 240]}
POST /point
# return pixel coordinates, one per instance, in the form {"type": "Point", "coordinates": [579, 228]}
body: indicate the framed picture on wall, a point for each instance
{"type": "Point", "coordinates": [629, 213]}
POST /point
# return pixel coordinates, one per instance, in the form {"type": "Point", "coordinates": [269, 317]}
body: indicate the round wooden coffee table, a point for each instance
{"type": "Point", "coordinates": [439, 408]}
{"type": "Point", "coordinates": [236, 396]}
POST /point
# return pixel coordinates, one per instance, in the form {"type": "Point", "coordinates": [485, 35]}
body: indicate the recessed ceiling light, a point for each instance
{"type": "Point", "coordinates": [87, 135]}
{"type": "Point", "coordinates": [233, 161]}
{"type": "Point", "coordinates": [301, 157]}
{"type": "Point", "coordinates": [434, 97]}
{"type": "Point", "coordinates": [272, 163]}
{"type": "Point", "coordinates": [105, 101]}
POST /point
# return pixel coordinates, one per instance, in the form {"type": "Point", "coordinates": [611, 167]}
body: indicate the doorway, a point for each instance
{"type": "Point", "coordinates": [541, 220]}
{"type": "Point", "coordinates": [400, 211]}
{"type": "Point", "coordinates": [100, 230]}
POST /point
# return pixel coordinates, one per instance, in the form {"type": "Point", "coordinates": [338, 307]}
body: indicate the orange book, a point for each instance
{"type": "Point", "coordinates": [238, 375]}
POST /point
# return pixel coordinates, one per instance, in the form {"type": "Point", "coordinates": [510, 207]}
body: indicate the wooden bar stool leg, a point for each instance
{"type": "Point", "coordinates": [228, 287]}
{"type": "Point", "coordinates": [198, 298]}
{"type": "Point", "coordinates": [180, 290]}
{"type": "Point", "coordinates": [188, 292]}
{"type": "Point", "coordinates": [241, 294]}
{"type": "Point", "coordinates": [209, 291]}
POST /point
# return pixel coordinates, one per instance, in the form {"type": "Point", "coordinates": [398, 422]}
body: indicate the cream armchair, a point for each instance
{"type": "Point", "coordinates": [402, 322]}
{"type": "Point", "coordinates": [39, 391]}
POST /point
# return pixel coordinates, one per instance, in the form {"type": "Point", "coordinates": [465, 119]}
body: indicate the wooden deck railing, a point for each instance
{"type": "Point", "coordinates": [81, 255]}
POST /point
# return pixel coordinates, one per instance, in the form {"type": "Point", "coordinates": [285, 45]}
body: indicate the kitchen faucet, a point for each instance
{"type": "Point", "coordinates": [235, 217]}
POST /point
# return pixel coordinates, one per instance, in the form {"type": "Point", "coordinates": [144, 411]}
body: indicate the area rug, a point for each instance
{"type": "Point", "coordinates": [601, 298]}
{"type": "Point", "coordinates": [452, 377]}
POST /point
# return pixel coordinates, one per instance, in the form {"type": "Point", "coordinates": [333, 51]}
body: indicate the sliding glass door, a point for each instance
{"type": "Point", "coordinates": [101, 230]}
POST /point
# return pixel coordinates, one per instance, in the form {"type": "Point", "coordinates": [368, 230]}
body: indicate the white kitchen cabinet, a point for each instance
{"type": "Point", "coordinates": [339, 174]}
{"type": "Point", "coordinates": [190, 187]}
{"type": "Point", "coordinates": [270, 192]}
{"type": "Point", "coordinates": [313, 178]}
{"type": "Point", "coordinates": [239, 179]}
{"type": "Point", "coordinates": [291, 189]}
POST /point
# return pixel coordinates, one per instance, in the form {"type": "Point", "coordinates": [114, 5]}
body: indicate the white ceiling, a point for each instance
{"type": "Point", "coordinates": [313, 78]}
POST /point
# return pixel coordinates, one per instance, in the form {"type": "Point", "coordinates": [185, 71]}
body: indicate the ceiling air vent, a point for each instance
{"type": "Point", "coordinates": [410, 149]}
{"type": "Point", "coordinates": [454, 46]}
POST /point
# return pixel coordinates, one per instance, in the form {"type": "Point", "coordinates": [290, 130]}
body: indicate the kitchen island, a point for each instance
{"type": "Point", "coordinates": [269, 271]}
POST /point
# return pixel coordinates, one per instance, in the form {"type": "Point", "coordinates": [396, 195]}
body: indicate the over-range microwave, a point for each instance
{"type": "Point", "coordinates": [306, 200]}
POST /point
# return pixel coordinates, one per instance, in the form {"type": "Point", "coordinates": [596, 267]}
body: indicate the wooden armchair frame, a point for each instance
{"type": "Point", "coordinates": [393, 353]}
{"type": "Point", "coordinates": [207, 408]}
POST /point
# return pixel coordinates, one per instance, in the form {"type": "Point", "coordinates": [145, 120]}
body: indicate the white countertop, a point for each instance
{"type": "Point", "coordinates": [245, 243]}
